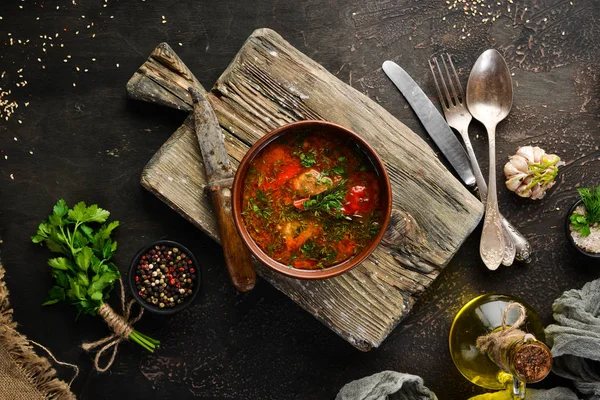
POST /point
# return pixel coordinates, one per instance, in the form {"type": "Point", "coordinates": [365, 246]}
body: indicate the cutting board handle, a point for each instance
{"type": "Point", "coordinates": [164, 80]}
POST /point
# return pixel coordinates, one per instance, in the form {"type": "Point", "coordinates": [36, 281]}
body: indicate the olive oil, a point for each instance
{"type": "Point", "coordinates": [481, 316]}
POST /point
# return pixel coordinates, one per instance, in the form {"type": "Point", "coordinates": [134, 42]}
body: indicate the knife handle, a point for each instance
{"type": "Point", "coordinates": [237, 256]}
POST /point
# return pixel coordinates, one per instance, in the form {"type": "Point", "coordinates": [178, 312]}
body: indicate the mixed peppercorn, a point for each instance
{"type": "Point", "coordinates": [165, 276]}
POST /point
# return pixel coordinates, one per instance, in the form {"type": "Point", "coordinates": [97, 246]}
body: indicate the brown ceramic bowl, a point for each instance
{"type": "Point", "coordinates": [292, 129]}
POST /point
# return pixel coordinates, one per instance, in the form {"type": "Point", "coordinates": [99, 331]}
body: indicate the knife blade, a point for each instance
{"type": "Point", "coordinates": [220, 179]}
{"type": "Point", "coordinates": [432, 120]}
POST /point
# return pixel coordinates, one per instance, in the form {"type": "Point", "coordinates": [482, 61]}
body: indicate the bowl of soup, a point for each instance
{"type": "Point", "coordinates": [311, 199]}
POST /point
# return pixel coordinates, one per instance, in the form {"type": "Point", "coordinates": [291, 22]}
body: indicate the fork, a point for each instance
{"type": "Point", "coordinates": [459, 118]}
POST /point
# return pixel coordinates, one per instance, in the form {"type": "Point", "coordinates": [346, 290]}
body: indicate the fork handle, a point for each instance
{"type": "Point", "coordinates": [523, 248]}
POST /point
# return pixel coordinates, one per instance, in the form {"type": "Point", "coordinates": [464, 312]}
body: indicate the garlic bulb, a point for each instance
{"type": "Point", "coordinates": [531, 172]}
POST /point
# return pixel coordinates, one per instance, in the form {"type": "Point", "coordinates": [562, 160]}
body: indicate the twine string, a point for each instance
{"type": "Point", "coordinates": [493, 343]}
{"type": "Point", "coordinates": [75, 367]}
{"type": "Point", "coordinates": [519, 321]}
{"type": "Point", "coordinates": [121, 325]}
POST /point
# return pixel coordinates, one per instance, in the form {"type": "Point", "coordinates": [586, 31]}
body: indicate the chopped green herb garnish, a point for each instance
{"type": "Point", "coordinates": [338, 169]}
{"type": "Point", "coordinates": [260, 195]}
{"type": "Point", "coordinates": [374, 229]}
{"type": "Point", "coordinates": [329, 202]}
{"type": "Point", "coordinates": [307, 159]}
{"type": "Point", "coordinates": [263, 212]}
{"type": "Point", "coordinates": [308, 247]}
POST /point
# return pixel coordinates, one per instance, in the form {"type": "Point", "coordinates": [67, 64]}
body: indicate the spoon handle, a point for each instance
{"type": "Point", "coordinates": [510, 241]}
{"type": "Point", "coordinates": [522, 248]}
{"type": "Point", "coordinates": [491, 247]}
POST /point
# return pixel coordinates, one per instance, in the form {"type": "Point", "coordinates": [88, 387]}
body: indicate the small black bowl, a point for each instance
{"type": "Point", "coordinates": [568, 226]}
{"type": "Point", "coordinates": [133, 288]}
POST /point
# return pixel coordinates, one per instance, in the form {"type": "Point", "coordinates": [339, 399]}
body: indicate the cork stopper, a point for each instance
{"type": "Point", "coordinates": [515, 351]}
{"type": "Point", "coordinates": [531, 362]}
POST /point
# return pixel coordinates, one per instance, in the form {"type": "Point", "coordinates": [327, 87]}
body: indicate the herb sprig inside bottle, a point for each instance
{"type": "Point", "coordinates": [84, 275]}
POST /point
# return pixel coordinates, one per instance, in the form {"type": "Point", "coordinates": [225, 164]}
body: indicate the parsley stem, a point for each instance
{"type": "Point", "coordinates": [145, 341]}
{"type": "Point", "coordinates": [148, 338]}
{"type": "Point", "coordinates": [141, 339]}
{"type": "Point", "coordinates": [137, 340]}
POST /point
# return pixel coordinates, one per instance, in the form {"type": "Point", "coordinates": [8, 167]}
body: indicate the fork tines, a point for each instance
{"type": "Point", "coordinates": [448, 100]}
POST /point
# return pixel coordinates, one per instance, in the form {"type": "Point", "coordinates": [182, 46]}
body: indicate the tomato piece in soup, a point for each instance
{"type": "Point", "coordinates": [363, 195]}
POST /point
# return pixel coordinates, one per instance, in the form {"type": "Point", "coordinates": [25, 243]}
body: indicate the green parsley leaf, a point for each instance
{"type": "Point", "coordinates": [82, 280]}
{"type": "Point", "coordinates": [96, 214]}
{"type": "Point", "coordinates": [61, 208]}
{"type": "Point", "coordinates": [59, 263]}
{"type": "Point", "coordinates": [55, 294]}
{"type": "Point", "coordinates": [84, 258]}
{"type": "Point", "coordinates": [78, 212]}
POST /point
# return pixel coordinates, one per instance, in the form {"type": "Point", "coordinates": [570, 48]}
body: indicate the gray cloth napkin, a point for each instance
{"type": "Point", "coordinates": [391, 385]}
{"type": "Point", "coordinates": [386, 385]}
{"type": "Point", "coordinates": [575, 338]}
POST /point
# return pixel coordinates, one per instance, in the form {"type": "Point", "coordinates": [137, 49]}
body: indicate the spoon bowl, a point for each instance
{"type": "Point", "coordinates": [489, 89]}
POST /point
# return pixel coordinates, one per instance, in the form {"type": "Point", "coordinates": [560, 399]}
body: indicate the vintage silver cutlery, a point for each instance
{"type": "Point", "coordinates": [459, 118]}
{"type": "Point", "coordinates": [489, 99]}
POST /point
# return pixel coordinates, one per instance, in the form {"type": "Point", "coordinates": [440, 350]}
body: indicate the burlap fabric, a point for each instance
{"type": "Point", "coordinates": [23, 374]}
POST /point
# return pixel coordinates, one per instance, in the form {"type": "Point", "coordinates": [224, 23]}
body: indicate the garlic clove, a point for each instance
{"type": "Point", "coordinates": [520, 163]}
{"type": "Point", "coordinates": [538, 154]}
{"type": "Point", "coordinates": [537, 192]}
{"type": "Point", "coordinates": [510, 170]}
{"type": "Point", "coordinates": [523, 191]}
{"type": "Point", "coordinates": [526, 152]}
{"type": "Point", "coordinates": [513, 183]}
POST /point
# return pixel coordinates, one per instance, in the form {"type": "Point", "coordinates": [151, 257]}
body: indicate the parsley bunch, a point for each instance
{"type": "Point", "coordinates": [590, 197]}
{"type": "Point", "coordinates": [84, 275]}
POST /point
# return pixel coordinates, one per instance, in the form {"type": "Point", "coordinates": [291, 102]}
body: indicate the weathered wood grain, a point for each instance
{"type": "Point", "coordinates": [270, 83]}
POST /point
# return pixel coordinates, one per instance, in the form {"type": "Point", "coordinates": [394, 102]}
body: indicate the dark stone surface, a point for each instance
{"type": "Point", "coordinates": [90, 143]}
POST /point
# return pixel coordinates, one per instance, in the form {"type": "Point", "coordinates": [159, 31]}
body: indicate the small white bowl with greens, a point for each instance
{"type": "Point", "coordinates": [583, 222]}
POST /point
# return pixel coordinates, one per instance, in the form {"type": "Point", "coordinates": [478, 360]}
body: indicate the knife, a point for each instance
{"type": "Point", "coordinates": [432, 120]}
{"type": "Point", "coordinates": [220, 174]}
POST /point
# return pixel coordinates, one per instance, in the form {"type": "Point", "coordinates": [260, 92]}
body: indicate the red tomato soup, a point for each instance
{"type": "Point", "coordinates": [311, 201]}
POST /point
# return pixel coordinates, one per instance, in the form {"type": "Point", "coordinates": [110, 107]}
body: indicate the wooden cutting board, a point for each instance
{"type": "Point", "coordinates": [268, 84]}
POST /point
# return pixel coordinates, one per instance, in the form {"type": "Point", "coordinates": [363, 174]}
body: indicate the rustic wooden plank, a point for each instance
{"type": "Point", "coordinates": [270, 83]}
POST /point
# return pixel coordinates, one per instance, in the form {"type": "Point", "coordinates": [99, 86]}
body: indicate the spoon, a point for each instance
{"type": "Point", "coordinates": [489, 99]}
